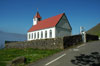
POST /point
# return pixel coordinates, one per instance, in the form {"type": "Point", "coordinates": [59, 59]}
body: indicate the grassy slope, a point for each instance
{"type": "Point", "coordinates": [31, 54]}
{"type": "Point", "coordinates": [95, 30]}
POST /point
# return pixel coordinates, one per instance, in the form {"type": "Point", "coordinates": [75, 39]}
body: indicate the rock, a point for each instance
{"type": "Point", "coordinates": [18, 60]}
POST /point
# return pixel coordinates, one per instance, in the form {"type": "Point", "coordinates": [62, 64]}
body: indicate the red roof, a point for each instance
{"type": "Point", "coordinates": [47, 23]}
{"type": "Point", "coordinates": [37, 15]}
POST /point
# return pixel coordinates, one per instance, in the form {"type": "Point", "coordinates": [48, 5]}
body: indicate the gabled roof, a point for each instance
{"type": "Point", "coordinates": [47, 23]}
{"type": "Point", "coordinates": [37, 15]}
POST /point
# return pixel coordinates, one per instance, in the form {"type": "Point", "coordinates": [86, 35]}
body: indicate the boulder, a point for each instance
{"type": "Point", "coordinates": [17, 61]}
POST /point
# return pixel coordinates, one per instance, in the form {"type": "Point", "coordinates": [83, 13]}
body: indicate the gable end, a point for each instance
{"type": "Point", "coordinates": [66, 23]}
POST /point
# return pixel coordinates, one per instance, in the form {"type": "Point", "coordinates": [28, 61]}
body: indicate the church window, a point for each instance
{"type": "Point", "coordinates": [39, 19]}
{"type": "Point", "coordinates": [41, 34]}
{"type": "Point", "coordinates": [38, 35]}
{"type": "Point", "coordinates": [50, 33]}
{"type": "Point", "coordinates": [29, 36]}
{"type": "Point", "coordinates": [45, 34]}
{"type": "Point", "coordinates": [34, 35]}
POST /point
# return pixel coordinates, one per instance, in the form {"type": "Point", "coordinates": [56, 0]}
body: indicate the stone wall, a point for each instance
{"type": "Point", "coordinates": [77, 39]}
{"type": "Point", "coordinates": [72, 40]}
{"type": "Point", "coordinates": [57, 43]}
{"type": "Point", "coordinates": [10, 41]}
{"type": "Point", "coordinates": [91, 37]}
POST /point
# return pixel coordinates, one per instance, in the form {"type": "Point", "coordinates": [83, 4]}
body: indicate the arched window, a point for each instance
{"type": "Point", "coordinates": [50, 34]}
{"type": "Point", "coordinates": [38, 35]}
{"type": "Point", "coordinates": [39, 19]}
{"type": "Point", "coordinates": [29, 36]}
{"type": "Point", "coordinates": [34, 35]}
{"type": "Point", "coordinates": [41, 34]}
{"type": "Point", "coordinates": [45, 34]}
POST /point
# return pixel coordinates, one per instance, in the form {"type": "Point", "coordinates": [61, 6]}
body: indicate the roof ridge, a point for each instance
{"type": "Point", "coordinates": [52, 16]}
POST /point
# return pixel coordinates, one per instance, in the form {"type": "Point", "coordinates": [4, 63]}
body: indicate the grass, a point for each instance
{"type": "Point", "coordinates": [32, 55]}
{"type": "Point", "coordinates": [95, 30]}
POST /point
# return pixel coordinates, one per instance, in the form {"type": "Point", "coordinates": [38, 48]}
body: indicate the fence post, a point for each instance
{"type": "Point", "coordinates": [84, 37]}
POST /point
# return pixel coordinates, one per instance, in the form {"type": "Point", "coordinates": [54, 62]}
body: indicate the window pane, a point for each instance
{"type": "Point", "coordinates": [34, 35]}
{"type": "Point", "coordinates": [45, 34]}
{"type": "Point", "coordinates": [50, 33]}
{"type": "Point", "coordinates": [38, 35]}
{"type": "Point", "coordinates": [41, 34]}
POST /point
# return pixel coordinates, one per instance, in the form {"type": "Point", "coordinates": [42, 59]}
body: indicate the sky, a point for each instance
{"type": "Point", "coordinates": [16, 16]}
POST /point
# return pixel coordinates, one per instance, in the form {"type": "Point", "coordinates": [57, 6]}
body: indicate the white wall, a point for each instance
{"type": "Point", "coordinates": [35, 20]}
{"type": "Point", "coordinates": [43, 30]}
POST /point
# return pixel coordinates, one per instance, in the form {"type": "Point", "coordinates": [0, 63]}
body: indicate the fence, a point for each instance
{"type": "Point", "coordinates": [56, 43]}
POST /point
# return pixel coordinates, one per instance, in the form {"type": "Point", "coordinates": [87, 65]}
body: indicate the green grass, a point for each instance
{"type": "Point", "coordinates": [32, 55]}
{"type": "Point", "coordinates": [95, 30]}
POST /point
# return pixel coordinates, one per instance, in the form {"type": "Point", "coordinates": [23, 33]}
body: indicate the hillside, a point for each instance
{"type": "Point", "coordinates": [10, 37]}
{"type": "Point", "coordinates": [95, 30]}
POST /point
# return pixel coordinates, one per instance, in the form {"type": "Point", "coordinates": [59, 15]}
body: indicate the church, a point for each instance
{"type": "Point", "coordinates": [53, 27]}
